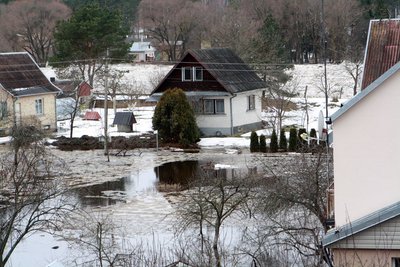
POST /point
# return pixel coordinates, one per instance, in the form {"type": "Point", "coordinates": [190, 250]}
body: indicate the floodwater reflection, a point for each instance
{"type": "Point", "coordinates": [169, 176]}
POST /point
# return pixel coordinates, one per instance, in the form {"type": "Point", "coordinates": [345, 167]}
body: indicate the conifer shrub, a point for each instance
{"type": "Point", "coordinates": [313, 138]}
{"type": "Point", "coordinates": [273, 147]}
{"type": "Point", "coordinates": [175, 120]}
{"type": "Point", "coordinates": [282, 141]}
{"type": "Point", "coordinates": [293, 140]}
{"type": "Point", "coordinates": [254, 144]}
{"type": "Point", "coordinates": [263, 144]}
{"type": "Point", "coordinates": [302, 144]}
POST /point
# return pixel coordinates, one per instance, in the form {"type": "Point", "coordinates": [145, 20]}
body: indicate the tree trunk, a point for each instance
{"type": "Point", "coordinates": [215, 246]}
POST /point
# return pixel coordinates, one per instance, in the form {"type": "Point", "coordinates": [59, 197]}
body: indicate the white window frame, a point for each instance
{"type": "Point", "coordinates": [251, 102]}
{"type": "Point", "coordinates": [39, 106]}
{"type": "Point", "coordinates": [184, 78]}
{"type": "Point", "coordinates": [197, 70]}
{"type": "Point", "coordinates": [213, 106]}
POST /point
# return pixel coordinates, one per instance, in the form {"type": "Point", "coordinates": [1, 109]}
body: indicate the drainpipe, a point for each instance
{"type": "Point", "coordinates": [230, 103]}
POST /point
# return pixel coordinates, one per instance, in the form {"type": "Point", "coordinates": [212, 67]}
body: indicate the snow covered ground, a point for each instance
{"type": "Point", "coordinates": [146, 214]}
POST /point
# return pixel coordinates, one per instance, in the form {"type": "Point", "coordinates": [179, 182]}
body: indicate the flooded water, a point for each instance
{"type": "Point", "coordinates": [171, 176]}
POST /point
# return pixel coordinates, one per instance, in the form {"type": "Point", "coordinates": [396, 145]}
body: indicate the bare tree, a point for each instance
{"type": "Point", "coordinates": [71, 104]}
{"type": "Point", "coordinates": [30, 189]}
{"type": "Point", "coordinates": [29, 25]}
{"type": "Point", "coordinates": [296, 202]}
{"type": "Point", "coordinates": [278, 101]}
{"type": "Point", "coordinates": [170, 24]}
{"type": "Point", "coordinates": [115, 83]}
{"type": "Point", "coordinates": [210, 201]}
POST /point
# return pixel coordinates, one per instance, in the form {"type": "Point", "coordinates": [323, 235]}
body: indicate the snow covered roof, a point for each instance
{"type": "Point", "coordinates": [142, 47]}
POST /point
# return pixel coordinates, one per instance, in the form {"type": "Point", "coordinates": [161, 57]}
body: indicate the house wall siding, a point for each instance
{"type": "Point", "coordinates": [365, 151]}
{"type": "Point", "coordinates": [241, 115]}
{"type": "Point", "coordinates": [383, 236]}
{"type": "Point", "coordinates": [364, 257]}
{"type": "Point", "coordinates": [28, 110]}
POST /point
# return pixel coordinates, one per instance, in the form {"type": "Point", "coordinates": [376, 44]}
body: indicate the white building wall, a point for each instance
{"type": "Point", "coordinates": [366, 154]}
{"type": "Point", "coordinates": [241, 114]}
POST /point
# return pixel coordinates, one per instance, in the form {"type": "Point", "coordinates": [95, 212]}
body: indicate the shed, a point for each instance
{"type": "Point", "coordinates": [92, 116]}
{"type": "Point", "coordinates": [124, 121]}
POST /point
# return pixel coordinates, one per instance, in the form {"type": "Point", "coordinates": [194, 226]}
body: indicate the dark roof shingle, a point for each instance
{"type": "Point", "coordinates": [21, 76]}
{"type": "Point", "coordinates": [229, 69]}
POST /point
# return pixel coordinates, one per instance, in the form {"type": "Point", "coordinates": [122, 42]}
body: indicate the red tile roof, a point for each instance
{"type": "Point", "coordinates": [383, 50]}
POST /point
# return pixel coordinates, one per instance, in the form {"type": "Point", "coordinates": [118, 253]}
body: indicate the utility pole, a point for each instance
{"type": "Point", "coordinates": [106, 110]}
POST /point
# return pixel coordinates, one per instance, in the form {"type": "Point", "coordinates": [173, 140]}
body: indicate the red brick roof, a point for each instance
{"type": "Point", "coordinates": [383, 50]}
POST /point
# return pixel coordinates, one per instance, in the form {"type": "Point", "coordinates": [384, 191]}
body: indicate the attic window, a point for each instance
{"type": "Point", "coordinates": [192, 74]}
{"type": "Point", "coordinates": [186, 74]}
{"type": "Point", "coordinates": [198, 73]}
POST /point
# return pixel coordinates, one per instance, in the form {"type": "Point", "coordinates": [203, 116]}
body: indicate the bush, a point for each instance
{"type": "Point", "coordinates": [175, 120]}
{"type": "Point", "coordinates": [302, 144]}
{"type": "Point", "coordinates": [293, 140]}
{"type": "Point", "coordinates": [263, 144]}
{"type": "Point", "coordinates": [282, 140]}
{"type": "Point", "coordinates": [254, 144]}
{"type": "Point", "coordinates": [313, 136]}
{"type": "Point", "coordinates": [274, 142]}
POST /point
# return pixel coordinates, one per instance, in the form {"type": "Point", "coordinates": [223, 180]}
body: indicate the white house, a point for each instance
{"type": "Point", "coordinates": [143, 51]}
{"type": "Point", "coordinates": [366, 159]}
{"type": "Point", "coordinates": [224, 91]}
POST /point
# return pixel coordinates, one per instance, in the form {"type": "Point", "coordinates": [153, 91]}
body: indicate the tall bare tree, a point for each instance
{"type": "Point", "coordinates": [29, 25]}
{"type": "Point", "coordinates": [170, 24]}
{"type": "Point", "coordinates": [30, 189]}
{"type": "Point", "coordinates": [210, 201]}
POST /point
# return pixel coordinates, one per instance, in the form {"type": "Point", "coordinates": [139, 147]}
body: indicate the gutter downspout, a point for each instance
{"type": "Point", "coordinates": [230, 103]}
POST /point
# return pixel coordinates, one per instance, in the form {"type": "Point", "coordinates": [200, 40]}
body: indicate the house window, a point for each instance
{"type": "Point", "coordinates": [396, 262]}
{"type": "Point", "coordinates": [3, 110]}
{"type": "Point", "coordinates": [192, 74]}
{"type": "Point", "coordinates": [251, 102]}
{"type": "Point", "coordinates": [214, 106]}
{"type": "Point", "coordinates": [186, 74]}
{"type": "Point", "coordinates": [39, 106]}
{"type": "Point", "coordinates": [198, 73]}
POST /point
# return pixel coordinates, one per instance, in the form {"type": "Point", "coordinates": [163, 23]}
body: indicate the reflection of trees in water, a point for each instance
{"type": "Point", "coordinates": [92, 195]}
{"type": "Point", "coordinates": [183, 172]}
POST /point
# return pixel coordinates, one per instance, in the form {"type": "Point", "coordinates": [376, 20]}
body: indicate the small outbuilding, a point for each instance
{"type": "Point", "coordinates": [124, 121]}
{"type": "Point", "coordinates": [92, 116]}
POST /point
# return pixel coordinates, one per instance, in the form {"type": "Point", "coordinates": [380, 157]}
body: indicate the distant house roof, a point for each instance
{"type": "Point", "coordinates": [69, 87]}
{"type": "Point", "coordinates": [226, 67]}
{"type": "Point", "coordinates": [362, 224]}
{"type": "Point", "coordinates": [142, 47]}
{"type": "Point", "coordinates": [358, 97]}
{"type": "Point", "coordinates": [21, 76]}
{"type": "Point", "coordinates": [124, 118]}
{"type": "Point", "coordinates": [383, 49]}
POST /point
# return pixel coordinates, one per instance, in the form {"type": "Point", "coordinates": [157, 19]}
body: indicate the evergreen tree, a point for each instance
{"type": "Point", "coordinates": [274, 142]}
{"type": "Point", "coordinates": [293, 140]}
{"type": "Point", "coordinates": [86, 37]}
{"type": "Point", "coordinates": [263, 144]}
{"type": "Point", "coordinates": [174, 119]}
{"type": "Point", "coordinates": [282, 140]}
{"type": "Point", "coordinates": [254, 144]}
{"type": "Point", "coordinates": [313, 136]}
{"type": "Point", "coordinates": [301, 143]}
